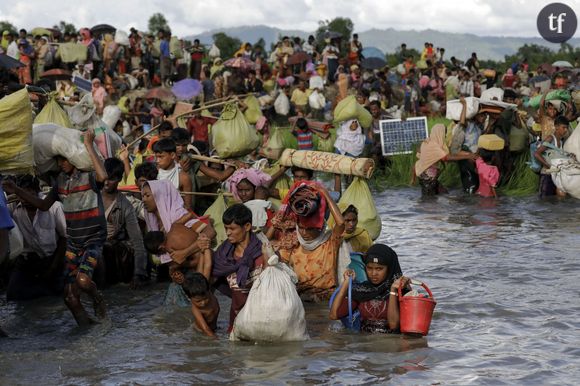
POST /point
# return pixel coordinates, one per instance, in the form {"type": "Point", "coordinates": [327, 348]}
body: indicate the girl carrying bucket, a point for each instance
{"type": "Point", "coordinates": [376, 298]}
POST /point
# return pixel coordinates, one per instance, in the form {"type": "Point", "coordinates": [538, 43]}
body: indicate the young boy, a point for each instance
{"type": "Point", "coordinates": [86, 226]}
{"type": "Point", "coordinates": [169, 169]}
{"type": "Point", "coordinates": [547, 186]}
{"type": "Point", "coordinates": [238, 261]}
{"type": "Point", "coordinates": [303, 135]}
{"type": "Point", "coordinates": [204, 305]}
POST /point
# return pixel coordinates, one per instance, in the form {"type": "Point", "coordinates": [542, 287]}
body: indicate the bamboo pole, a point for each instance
{"type": "Point", "coordinates": [210, 159]}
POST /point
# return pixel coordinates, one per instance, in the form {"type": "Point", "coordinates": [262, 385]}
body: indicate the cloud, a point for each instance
{"type": "Point", "coordinates": [186, 17]}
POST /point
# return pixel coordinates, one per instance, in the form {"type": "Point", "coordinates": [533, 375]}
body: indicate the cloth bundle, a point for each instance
{"type": "Point", "coordinates": [305, 201]}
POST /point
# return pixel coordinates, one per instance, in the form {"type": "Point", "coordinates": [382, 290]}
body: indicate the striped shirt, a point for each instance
{"type": "Point", "coordinates": [304, 140]}
{"type": "Point", "coordinates": [83, 208]}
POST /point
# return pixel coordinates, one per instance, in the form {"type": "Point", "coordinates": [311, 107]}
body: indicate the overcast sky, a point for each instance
{"type": "Point", "coordinates": [186, 17]}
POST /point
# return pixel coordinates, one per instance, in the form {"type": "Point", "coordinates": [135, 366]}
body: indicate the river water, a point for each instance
{"type": "Point", "coordinates": [504, 273]}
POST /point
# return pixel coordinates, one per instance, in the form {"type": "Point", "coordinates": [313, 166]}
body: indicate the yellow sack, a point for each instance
{"type": "Point", "coordinates": [253, 113]}
{"type": "Point", "coordinates": [215, 213]}
{"type": "Point", "coordinates": [349, 108]}
{"type": "Point", "coordinates": [359, 195]}
{"type": "Point", "coordinates": [16, 154]}
{"type": "Point", "coordinates": [175, 48]}
{"type": "Point", "coordinates": [72, 52]}
{"type": "Point", "coordinates": [232, 135]}
{"type": "Point", "coordinates": [275, 145]}
{"type": "Point", "coordinates": [491, 142]}
{"type": "Point", "coordinates": [53, 113]}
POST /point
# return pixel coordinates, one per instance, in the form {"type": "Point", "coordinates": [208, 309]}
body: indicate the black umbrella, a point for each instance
{"type": "Point", "coordinates": [103, 29]}
{"type": "Point", "coordinates": [9, 62]}
{"type": "Point", "coordinates": [373, 63]}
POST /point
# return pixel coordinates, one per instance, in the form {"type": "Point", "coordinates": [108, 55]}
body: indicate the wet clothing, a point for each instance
{"type": "Point", "coordinates": [81, 260]}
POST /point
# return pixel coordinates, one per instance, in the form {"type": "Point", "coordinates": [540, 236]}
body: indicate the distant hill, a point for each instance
{"type": "Point", "coordinates": [388, 40]}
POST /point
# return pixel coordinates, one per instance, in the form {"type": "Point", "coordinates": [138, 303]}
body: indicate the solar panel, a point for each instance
{"type": "Point", "coordinates": [399, 137]}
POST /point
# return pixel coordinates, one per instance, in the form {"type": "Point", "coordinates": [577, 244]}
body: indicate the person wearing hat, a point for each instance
{"type": "Point", "coordinates": [375, 298]}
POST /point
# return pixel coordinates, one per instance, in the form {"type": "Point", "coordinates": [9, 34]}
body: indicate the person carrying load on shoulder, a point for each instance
{"type": "Point", "coordinates": [376, 298]}
{"type": "Point", "coordinates": [80, 194]}
{"type": "Point", "coordinates": [554, 141]}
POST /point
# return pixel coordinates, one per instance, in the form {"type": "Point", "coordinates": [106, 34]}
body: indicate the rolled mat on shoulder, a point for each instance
{"type": "Point", "coordinates": [328, 162]}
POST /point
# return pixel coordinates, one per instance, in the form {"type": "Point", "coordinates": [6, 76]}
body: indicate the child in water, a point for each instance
{"type": "Point", "coordinates": [487, 172]}
{"type": "Point", "coordinates": [204, 305]}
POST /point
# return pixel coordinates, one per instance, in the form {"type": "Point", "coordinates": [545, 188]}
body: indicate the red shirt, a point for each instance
{"type": "Point", "coordinates": [199, 127]}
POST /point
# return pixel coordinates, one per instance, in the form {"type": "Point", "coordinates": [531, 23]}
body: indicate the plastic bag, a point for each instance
{"type": "Point", "coordinates": [16, 133]}
{"type": "Point", "coordinates": [316, 100]}
{"type": "Point", "coordinates": [454, 108]}
{"type": "Point", "coordinates": [253, 112]}
{"type": "Point", "coordinates": [53, 113]}
{"type": "Point", "coordinates": [214, 52]}
{"type": "Point", "coordinates": [15, 242]}
{"type": "Point", "coordinates": [359, 195]}
{"type": "Point", "coordinates": [567, 178]}
{"type": "Point", "coordinates": [215, 213]}
{"type": "Point", "coordinates": [563, 95]}
{"type": "Point", "coordinates": [50, 140]}
{"type": "Point", "coordinates": [121, 38]}
{"type": "Point", "coordinates": [572, 144]}
{"type": "Point", "coordinates": [232, 135]}
{"type": "Point", "coordinates": [275, 145]}
{"type": "Point", "coordinates": [282, 104]}
{"type": "Point", "coordinates": [273, 311]}
{"type": "Point", "coordinates": [111, 115]}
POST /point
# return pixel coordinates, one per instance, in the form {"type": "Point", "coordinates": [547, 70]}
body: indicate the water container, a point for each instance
{"type": "Point", "coordinates": [415, 312]}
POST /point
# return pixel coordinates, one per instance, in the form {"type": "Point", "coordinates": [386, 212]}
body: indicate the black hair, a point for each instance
{"type": "Point", "coordinates": [28, 181]}
{"type": "Point", "coordinates": [164, 145]}
{"type": "Point", "coordinates": [153, 240]}
{"type": "Point", "coordinates": [195, 284]}
{"type": "Point", "coordinates": [561, 120]}
{"type": "Point", "coordinates": [196, 40]}
{"type": "Point", "coordinates": [252, 72]}
{"type": "Point", "coordinates": [486, 155]}
{"type": "Point", "coordinates": [114, 168]}
{"type": "Point", "coordinates": [143, 144]}
{"type": "Point", "coordinates": [309, 172]}
{"type": "Point", "coordinates": [302, 123]}
{"type": "Point", "coordinates": [201, 146]}
{"type": "Point", "coordinates": [350, 209]}
{"type": "Point", "coordinates": [180, 135]}
{"type": "Point", "coordinates": [355, 35]}
{"type": "Point", "coordinates": [238, 214]}
{"type": "Point", "coordinates": [165, 126]}
{"type": "Point", "coordinates": [147, 170]}
{"type": "Point", "coordinates": [375, 103]}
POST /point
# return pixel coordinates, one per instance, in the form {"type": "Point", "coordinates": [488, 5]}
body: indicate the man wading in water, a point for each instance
{"type": "Point", "coordinates": [86, 227]}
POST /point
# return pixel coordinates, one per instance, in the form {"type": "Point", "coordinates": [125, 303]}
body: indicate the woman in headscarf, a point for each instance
{"type": "Point", "coordinates": [433, 150]}
{"type": "Point", "coordinates": [26, 56]}
{"type": "Point", "coordinates": [376, 298]}
{"type": "Point", "coordinates": [316, 260]}
{"type": "Point", "coordinates": [357, 237]}
{"type": "Point", "coordinates": [164, 207]}
{"type": "Point", "coordinates": [350, 139]}
{"type": "Point", "coordinates": [243, 183]}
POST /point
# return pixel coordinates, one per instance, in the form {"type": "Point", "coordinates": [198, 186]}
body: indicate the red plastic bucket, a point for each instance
{"type": "Point", "coordinates": [415, 312]}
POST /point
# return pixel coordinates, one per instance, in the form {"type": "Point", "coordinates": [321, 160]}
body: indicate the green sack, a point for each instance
{"type": "Point", "coordinates": [253, 112]}
{"type": "Point", "coordinates": [215, 213]}
{"type": "Point", "coordinates": [563, 95]}
{"type": "Point", "coordinates": [326, 145]}
{"type": "Point", "coordinates": [16, 155]}
{"type": "Point", "coordinates": [275, 146]}
{"type": "Point", "coordinates": [53, 113]}
{"type": "Point", "coordinates": [519, 139]}
{"type": "Point", "coordinates": [284, 182]}
{"type": "Point", "coordinates": [232, 135]}
{"type": "Point", "coordinates": [349, 108]}
{"type": "Point", "coordinates": [359, 195]}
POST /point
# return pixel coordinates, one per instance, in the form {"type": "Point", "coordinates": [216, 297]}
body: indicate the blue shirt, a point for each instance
{"type": "Point", "coordinates": [5, 218]}
{"type": "Point", "coordinates": [164, 48]}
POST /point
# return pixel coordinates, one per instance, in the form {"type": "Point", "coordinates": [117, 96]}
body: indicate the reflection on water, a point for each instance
{"type": "Point", "coordinates": [503, 272]}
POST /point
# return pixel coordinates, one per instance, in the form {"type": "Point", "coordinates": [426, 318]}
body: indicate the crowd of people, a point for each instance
{"type": "Point", "coordinates": [138, 216]}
